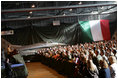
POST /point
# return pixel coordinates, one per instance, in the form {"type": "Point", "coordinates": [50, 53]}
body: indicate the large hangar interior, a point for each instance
{"type": "Point", "coordinates": [58, 39]}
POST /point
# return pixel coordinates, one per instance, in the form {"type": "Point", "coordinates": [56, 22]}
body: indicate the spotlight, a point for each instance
{"type": "Point", "coordinates": [33, 6]}
{"type": "Point", "coordinates": [70, 9]}
{"type": "Point", "coordinates": [64, 14]}
{"type": "Point", "coordinates": [28, 17]}
{"type": "Point", "coordinates": [30, 12]}
{"type": "Point", "coordinates": [80, 3]}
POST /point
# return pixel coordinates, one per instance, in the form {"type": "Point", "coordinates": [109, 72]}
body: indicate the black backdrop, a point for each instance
{"type": "Point", "coordinates": [65, 33]}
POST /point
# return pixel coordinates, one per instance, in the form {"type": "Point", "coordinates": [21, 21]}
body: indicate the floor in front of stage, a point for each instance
{"type": "Point", "coordinates": [38, 70]}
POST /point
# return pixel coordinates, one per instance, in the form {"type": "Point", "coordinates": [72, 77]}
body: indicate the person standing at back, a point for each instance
{"type": "Point", "coordinates": [9, 51]}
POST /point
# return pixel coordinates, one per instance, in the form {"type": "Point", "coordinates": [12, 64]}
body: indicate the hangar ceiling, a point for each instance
{"type": "Point", "coordinates": [18, 14]}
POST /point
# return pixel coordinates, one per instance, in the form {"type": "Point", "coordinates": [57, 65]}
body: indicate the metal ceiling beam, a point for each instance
{"type": "Point", "coordinates": [56, 8]}
{"type": "Point", "coordinates": [59, 16]}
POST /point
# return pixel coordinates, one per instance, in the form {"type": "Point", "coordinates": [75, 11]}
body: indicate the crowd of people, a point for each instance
{"type": "Point", "coordinates": [93, 60]}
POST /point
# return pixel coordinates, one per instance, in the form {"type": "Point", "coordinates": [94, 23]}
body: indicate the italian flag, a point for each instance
{"type": "Point", "coordinates": [95, 30]}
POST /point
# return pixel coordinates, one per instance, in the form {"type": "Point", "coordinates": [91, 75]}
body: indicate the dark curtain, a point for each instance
{"type": "Point", "coordinates": [65, 33]}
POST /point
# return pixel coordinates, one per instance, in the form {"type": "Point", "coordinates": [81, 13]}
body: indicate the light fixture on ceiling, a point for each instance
{"type": "Point", "coordinates": [33, 6]}
{"type": "Point", "coordinates": [64, 14]}
{"type": "Point", "coordinates": [70, 10]}
{"type": "Point", "coordinates": [28, 17]}
{"type": "Point", "coordinates": [80, 3]}
{"type": "Point", "coordinates": [30, 12]}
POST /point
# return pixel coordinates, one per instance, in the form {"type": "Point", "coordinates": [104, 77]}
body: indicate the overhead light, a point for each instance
{"type": "Point", "coordinates": [80, 3]}
{"type": "Point", "coordinates": [30, 12]}
{"type": "Point", "coordinates": [28, 17]}
{"type": "Point", "coordinates": [70, 9]}
{"type": "Point", "coordinates": [64, 14]}
{"type": "Point", "coordinates": [33, 6]}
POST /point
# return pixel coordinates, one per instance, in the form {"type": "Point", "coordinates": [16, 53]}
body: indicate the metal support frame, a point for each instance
{"type": "Point", "coordinates": [56, 8]}
{"type": "Point", "coordinates": [59, 16]}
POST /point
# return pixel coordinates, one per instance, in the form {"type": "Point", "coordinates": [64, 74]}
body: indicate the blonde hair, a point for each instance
{"type": "Point", "coordinates": [112, 59]}
{"type": "Point", "coordinates": [103, 64]}
{"type": "Point", "coordinates": [91, 65]}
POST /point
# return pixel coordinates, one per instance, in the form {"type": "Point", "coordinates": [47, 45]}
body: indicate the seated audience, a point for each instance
{"type": "Point", "coordinates": [88, 57]}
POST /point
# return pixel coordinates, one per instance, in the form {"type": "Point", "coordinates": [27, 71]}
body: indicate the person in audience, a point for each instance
{"type": "Point", "coordinates": [8, 69]}
{"type": "Point", "coordinates": [14, 52]}
{"type": "Point", "coordinates": [103, 56]}
{"type": "Point", "coordinates": [104, 72]}
{"type": "Point", "coordinates": [114, 52]}
{"type": "Point", "coordinates": [81, 64]}
{"type": "Point", "coordinates": [69, 55]}
{"type": "Point", "coordinates": [92, 71]}
{"type": "Point", "coordinates": [94, 58]}
{"type": "Point", "coordinates": [99, 57]}
{"type": "Point", "coordinates": [9, 51]}
{"type": "Point", "coordinates": [113, 66]}
{"type": "Point", "coordinates": [84, 70]}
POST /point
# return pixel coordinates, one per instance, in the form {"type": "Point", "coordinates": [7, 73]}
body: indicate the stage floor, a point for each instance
{"type": "Point", "coordinates": [38, 70]}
